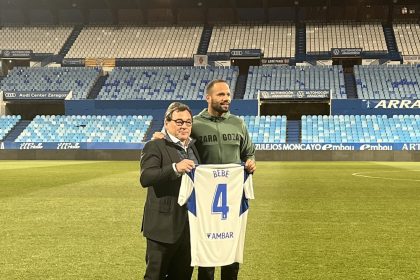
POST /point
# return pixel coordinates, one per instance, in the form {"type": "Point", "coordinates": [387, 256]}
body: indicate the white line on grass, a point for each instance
{"type": "Point", "coordinates": [359, 174]}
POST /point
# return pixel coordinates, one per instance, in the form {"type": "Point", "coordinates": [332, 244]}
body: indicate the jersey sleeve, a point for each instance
{"type": "Point", "coordinates": [248, 187]}
{"type": "Point", "coordinates": [187, 186]}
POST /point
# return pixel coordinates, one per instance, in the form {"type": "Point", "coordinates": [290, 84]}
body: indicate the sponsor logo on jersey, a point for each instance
{"type": "Point", "coordinates": [220, 235]}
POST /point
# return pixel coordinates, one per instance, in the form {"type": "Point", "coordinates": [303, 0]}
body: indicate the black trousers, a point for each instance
{"type": "Point", "coordinates": [169, 261]}
{"type": "Point", "coordinates": [228, 272]}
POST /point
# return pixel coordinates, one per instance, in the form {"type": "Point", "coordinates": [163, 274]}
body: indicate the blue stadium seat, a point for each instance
{"type": "Point", "coordinates": [163, 83]}
{"type": "Point", "coordinates": [361, 129]}
{"type": "Point", "coordinates": [387, 81]}
{"type": "Point", "coordinates": [81, 128]}
{"type": "Point", "coordinates": [272, 78]}
{"type": "Point", "coordinates": [266, 129]}
{"type": "Point", "coordinates": [79, 80]}
{"type": "Point", "coordinates": [6, 124]}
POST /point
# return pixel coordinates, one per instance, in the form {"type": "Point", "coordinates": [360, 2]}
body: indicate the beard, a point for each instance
{"type": "Point", "coordinates": [220, 108]}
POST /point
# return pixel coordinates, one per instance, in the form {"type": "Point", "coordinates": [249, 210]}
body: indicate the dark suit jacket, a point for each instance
{"type": "Point", "coordinates": [163, 219]}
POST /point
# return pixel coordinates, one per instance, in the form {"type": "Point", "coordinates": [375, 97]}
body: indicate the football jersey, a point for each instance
{"type": "Point", "coordinates": [217, 201]}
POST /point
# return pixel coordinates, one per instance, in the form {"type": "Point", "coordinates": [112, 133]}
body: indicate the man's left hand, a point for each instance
{"type": "Point", "coordinates": [250, 166]}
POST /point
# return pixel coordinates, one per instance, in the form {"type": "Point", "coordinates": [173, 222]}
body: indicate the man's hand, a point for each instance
{"type": "Point", "coordinates": [250, 166]}
{"type": "Point", "coordinates": [158, 135]}
{"type": "Point", "coordinates": [185, 165]}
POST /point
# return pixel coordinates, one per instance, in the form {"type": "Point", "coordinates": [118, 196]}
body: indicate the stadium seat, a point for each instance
{"type": "Point", "coordinates": [7, 123]}
{"type": "Point", "coordinates": [163, 83]}
{"type": "Point", "coordinates": [272, 78]}
{"type": "Point", "coordinates": [387, 81]}
{"type": "Point", "coordinates": [407, 36]}
{"type": "Point", "coordinates": [361, 129]}
{"type": "Point", "coordinates": [44, 79]}
{"type": "Point", "coordinates": [275, 40]}
{"type": "Point", "coordinates": [136, 42]}
{"type": "Point", "coordinates": [266, 129]}
{"type": "Point", "coordinates": [86, 128]}
{"type": "Point", "coordinates": [39, 39]}
{"type": "Point", "coordinates": [323, 37]}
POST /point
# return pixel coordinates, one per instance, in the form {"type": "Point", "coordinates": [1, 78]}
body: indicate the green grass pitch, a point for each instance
{"type": "Point", "coordinates": [310, 220]}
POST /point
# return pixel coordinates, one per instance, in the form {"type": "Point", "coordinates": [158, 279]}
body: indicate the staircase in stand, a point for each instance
{"type": "Point", "coordinates": [16, 130]}
{"type": "Point", "coordinates": [350, 85]}
{"type": "Point", "coordinates": [70, 40]}
{"type": "Point", "coordinates": [293, 131]}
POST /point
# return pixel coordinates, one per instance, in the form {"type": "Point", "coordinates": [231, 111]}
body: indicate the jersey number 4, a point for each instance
{"type": "Point", "coordinates": [219, 204]}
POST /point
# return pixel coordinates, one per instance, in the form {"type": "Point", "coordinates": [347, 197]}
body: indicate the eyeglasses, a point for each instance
{"type": "Point", "coordinates": [180, 122]}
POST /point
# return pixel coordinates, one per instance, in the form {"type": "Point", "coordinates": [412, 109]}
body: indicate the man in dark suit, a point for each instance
{"type": "Point", "coordinates": [165, 223]}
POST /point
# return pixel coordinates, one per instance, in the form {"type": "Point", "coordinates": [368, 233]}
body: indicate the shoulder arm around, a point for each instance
{"type": "Point", "coordinates": [152, 170]}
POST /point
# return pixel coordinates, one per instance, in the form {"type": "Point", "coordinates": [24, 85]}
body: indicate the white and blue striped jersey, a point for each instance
{"type": "Point", "coordinates": [217, 201]}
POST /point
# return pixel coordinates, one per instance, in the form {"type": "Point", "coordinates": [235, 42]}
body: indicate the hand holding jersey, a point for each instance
{"type": "Point", "coordinates": [250, 166]}
{"type": "Point", "coordinates": [185, 165]}
{"type": "Point", "coordinates": [217, 201]}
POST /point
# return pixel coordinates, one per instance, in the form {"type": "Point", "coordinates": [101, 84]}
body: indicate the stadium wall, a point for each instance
{"type": "Point", "coordinates": [375, 107]}
{"type": "Point", "coordinates": [260, 155]}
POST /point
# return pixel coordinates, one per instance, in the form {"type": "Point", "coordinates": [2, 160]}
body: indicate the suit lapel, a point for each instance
{"type": "Point", "coordinates": [172, 152]}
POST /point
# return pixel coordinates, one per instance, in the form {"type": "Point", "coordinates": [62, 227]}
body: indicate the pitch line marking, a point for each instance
{"type": "Point", "coordinates": [359, 174]}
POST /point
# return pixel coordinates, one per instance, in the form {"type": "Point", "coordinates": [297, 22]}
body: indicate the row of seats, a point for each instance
{"type": "Point", "coordinates": [274, 40]}
{"type": "Point", "coordinates": [174, 83]}
{"type": "Point", "coordinates": [262, 129]}
{"type": "Point", "coordinates": [45, 79]}
{"type": "Point", "coordinates": [7, 123]}
{"type": "Point", "coordinates": [136, 42]}
{"type": "Point", "coordinates": [323, 37]}
{"type": "Point", "coordinates": [407, 36]}
{"type": "Point", "coordinates": [387, 82]}
{"type": "Point", "coordinates": [266, 129]}
{"type": "Point", "coordinates": [39, 39]}
{"type": "Point", "coordinates": [284, 78]}
{"type": "Point", "coordinates": [90, 129]}
{"type": "Point", "coordinates": [361, 129]}
{"type": "Point", "coordinates": [164, 83]}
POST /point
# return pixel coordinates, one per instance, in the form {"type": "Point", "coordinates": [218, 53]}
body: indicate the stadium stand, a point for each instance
{"type": "Point", "coordinates": [274, 78]}
{"type": "Point", "coordinates": [163, 83]}
{"type": "Point", "coordinates": [43, 79]}
{"type": "Point", "coordinates": [323, 37]}
{"type": "Point", "coordinates": [407, 36]}
{"type": "Point", "coordinates": [361, 129]}
{"type": "Point", "coordinates": [387, 81]}
{"type": "Point", "coordinates": [7, 123]}
{"type": "Point", "coordinates": [121, 129]}
{"type": "Point", "coordinates": [273, 40]}
{"type": "Point", "coordinates": [136, 42]}
{"type": "Point", "coordinates": [39, 39]}
{"type": "Point", "coordinates": [266, 129]}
